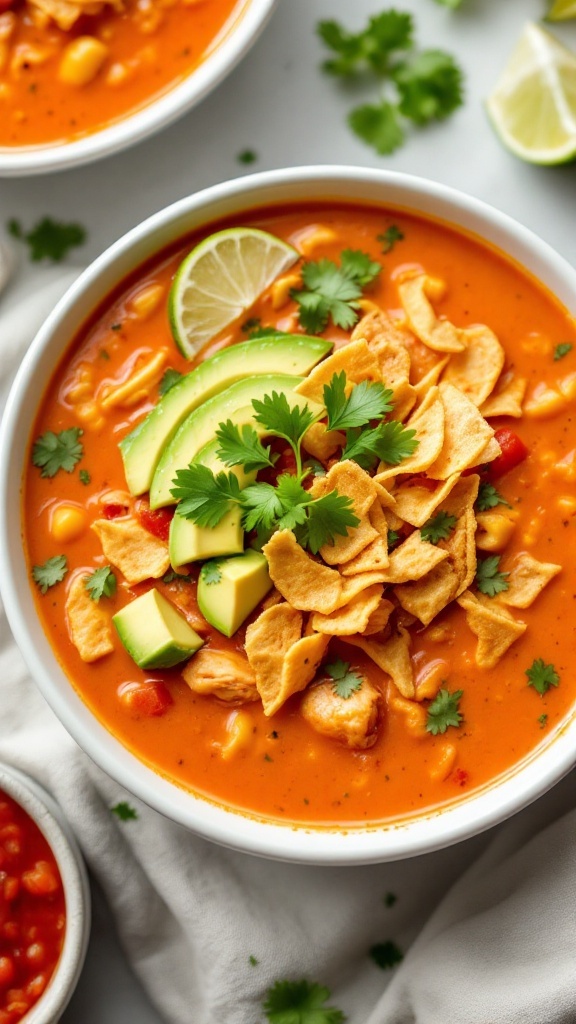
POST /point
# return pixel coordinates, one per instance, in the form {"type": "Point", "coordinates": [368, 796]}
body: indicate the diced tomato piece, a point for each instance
{"type": "Point", "coordinates": [150, 698]}
{"type": "Point", "coordinates": [460, 776]}
{"type": "Point", "coordinates": [113, 511]}
{"type": "Point", "coordinates": [514, 451]}
{"type": "Point", "coordinates": [156, 521]}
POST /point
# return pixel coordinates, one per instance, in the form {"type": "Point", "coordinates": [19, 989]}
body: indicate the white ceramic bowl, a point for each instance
{"type": "Point", "coordinates": [51, 822]}
{"type": "Point", "coordinates": [536, 774]}
{"type": "Point", "coordinates": [229, 50]}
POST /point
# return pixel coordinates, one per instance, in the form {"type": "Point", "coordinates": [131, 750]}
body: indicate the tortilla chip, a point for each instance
{"type": "Point", "coordinates": [490, 452]}
{"type": "Point", "coordinates": [388, 343]}
{"type": "Point", "coordinates": [373, 557]}
{"type": "Point", "coordinates": [350, 480]}
{"type": "Point", "coordinates": [355, 358]}
{"type": "Point", "coordinates": [416, 503]}
{"type": "Point", "coordinates": [223, 674]}
{"type": "Point", "coordinates": [393, 657]}
{"type": "Point", "coordinates": [345, 548]}
{"type": "Point", "coordinates": [352, 617]}
{"type": "Point", "coordinates": [429, 427]}
{"type": "Point", "coordinates": [378, 519]}
{"type": "Point", "coordinates": [304, 582]}
{"type": "Point", "coordinates": [379, 618]}
{"type": "Point", "coordinates": [475, 370]}
{"type": "Point", "coordinates": [132, 549]}
{"type": "Point", "coordinates": [404, 398]}
{"type": "Point", "coordinates": [495, 628]}
{"type": "Point", "coordinates": [299, 668]}
{"type": "Point", "coordinates": [268, 641]}
{"type": "Point", "coordinates": [273, 598]}
{"type": "Point", "coordinates": [439, 335]}
{"type": "Point", "coordinates": [322, 443]}
{"type": "Point", "coordinates": [413, 559]}
{"type": "Point", "coordinates": [429, 596]}
{"type": "Point", "coordinates": [353, 721]}
{"type": "Point", "coordinates": [89, 623]}
{"type": "Point", "coordinates": [466, 434]}
{"type": "Point", "coordinates": [527, 580]}
{"type": "Point", "coordinates": [429, 380]}
{"type": "Point", "coordinates": [507, 400]}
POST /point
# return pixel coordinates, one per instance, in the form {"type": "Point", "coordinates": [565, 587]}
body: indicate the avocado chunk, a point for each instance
{"type": "Point", "coordinates": [191, 543]}
{"type": "Point", "coordinates": [142, 447]}
{"type": "Point", "coordinates": [230, 588]}
{"type": "Point", "coordinates": [154, 633]}
{"type": "Point", "coordinates": [200, 426]}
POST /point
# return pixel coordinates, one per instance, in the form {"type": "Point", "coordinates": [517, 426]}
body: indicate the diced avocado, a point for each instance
{"type": "Point", "coordinates": [189, 542]}
{"type": "Point", "coordinates": [154, 633]}
{"type": "Point", "coordinates": [229, 589]}
{"type": "Point", "coordinates": [142, 447]}
{"type": "Point", "coordinates": [200, 426]}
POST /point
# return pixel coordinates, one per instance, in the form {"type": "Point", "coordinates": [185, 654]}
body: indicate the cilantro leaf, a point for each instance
{"type": "Point", "coordinates": [101, 583]}
{"type": "Point", "coordinates": [390, 442]}
{"type": "Point", "coordinates": [51, 572]}
{"type": "Point", "coordinates": [378, 125]}
{"type": "Point", "coordinates": [390, 899]}
{"type": "Point", "coordinates": [430, 86]}
{"type": "Point", "coordinates": [541, 676]}
{"type": "Point", "coordinates": [315, 467]}
{"type": "Point", "coordinates": [294, 500]}
{"type": "Point", "coordinates": [52, 452]}
{"type": "Point", "coordinates": [489, 497]}
{"type": "Point", "coordinates": [386, 955]}
{"type": "Point", "coordinates": [211, 573]}
{"type": "Point", "coordinates": [252, 960]}
{"type": "Point", "coordinates": [48, 239]}
{"type": "Point", "coordinates": [359, 266]}
{"type": "Point", "coordinates": [346, 681]}
{"type": "Point", "coordinates": [562, 350]}
{"type": "Point", "coordinates": [263, 506]}
{"type": "Point", "coordinates": [389, 237]}
{"type": "Point", "coordinates": [488, 578]}
{"type": "Point", "coordinates": [247, 156]}
{"type": "Point", "coordinates": [372, 48]}
{"type": "Point", "coordinates": [170, 377]}
{"type": "Point", "coordinates": [438, 527]}
{"type": "Point", "coordinates": [329, 516]}
{"type": "Point", "coordinates": [241, 446]}
{"type": "Point", "coordinates": [172, 577]}
{"type": "Point", "coordinates": [392, 538]}
{"type": "Point", "coordinates": [543, 721]}
{"type": "Point", "coordinates": [443, 712]}
{"type": "Point", "coordinates": [84, 477]}
{"type": "Point", "coordinates": [331, 290]}
{"type": "Point", "coordinates": [278, 417]}
{"type": "Point", "coordinates": [203, 496]}
{"type": "Point", "coordinates": [300, 1002]}
{"type": "Point", "coordinates": [452, 4]}
{"type": "Point", "coordinates": [367, 401]}
{"type": "Point", "coordinates": [124, 811]}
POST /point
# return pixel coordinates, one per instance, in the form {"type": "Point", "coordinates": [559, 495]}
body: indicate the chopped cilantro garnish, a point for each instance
{"type": "Point", "coordinates": [52, 452]}
{"type": "Point", "coordinates": [124, 811]}
{"type": "Point", "coordinates": [366, 401]}
{"type": "Point", "coordinates": [300, 1002]}
{"type": "Point", "coordinates": [251, 324]}
{"type": "Point", "coordinates": [104, 354]}
{"type": "Point", "coordinates": [247, 156]}
{"type": "Point", "coordinates": [241, 446]}
{"type": "Point", "coordinates": [171, 577]}
{"type": "Point", "coordinates": [393, 538]}
{"type": "Point", "coordinates": [346, 681]}
{"type": "Point", "coordinates": [438, 527]}
{"type": "Point", "coordinates": [252, 960]}
{"type": "Point", "coordinates": [389, 237]}
{"type": "Point", "coordinates": [84, 477]}
{"type": "Point", "coordinates": [386, 955]}
{"type": "Point", "coordinates": [170, 377]}
{"type": "Point", "coordinates": [101, 583]}
{"type": "Point", "coordinates": [562, 350]}
{"type": "Point", "coordinates": [390, 442]}
{"type": "Point", "coordinates": [115, 327]}
{"type": "Point", "coordinates": [48, 239]}
{"type": "Point", "coordinates": [489, 497]}
{"type": "Point", "coordinates": [51, 572]}
{"type": "Point", "coordinates": [543, 721]}
{"type": "Point", "coordinates": [372, 48]}
{"type": "Point", "coordinates": [488, 578]}
{"type": "Point", "coordinates": [211, 573]}
{"type": "Point", "coordinates": [443, 711]}
{"type": "Point", "coordinates": [204, 497]}
{"type": "Point", "coordinates": [542, 676]}
{"type": "Point", "coordinates": [332, 291]}
{"type": "Point", "coordinates": [390, 898]}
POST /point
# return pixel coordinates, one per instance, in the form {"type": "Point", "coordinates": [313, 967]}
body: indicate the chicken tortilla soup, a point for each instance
{"type": "Point", "coordinates": [299, 512]}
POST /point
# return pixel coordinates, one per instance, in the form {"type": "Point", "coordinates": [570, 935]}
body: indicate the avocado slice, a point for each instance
{"type": "Point", "coordinates": [230, 588]}
{"type": "Point", "coordinates": [142, 447]}
{"type": "Point", "coordinates": [190, 543]}
{"type": "Point", "coordinates": [201, 425]}
{"type": "Point", "coordinates": [154, 633]}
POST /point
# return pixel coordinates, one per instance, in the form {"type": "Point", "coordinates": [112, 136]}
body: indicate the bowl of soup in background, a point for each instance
{"type": "Point", "coordinates": [75, 94]}
{"type": "Point", "coordinates": [295, 838]}
{"type": "Point", "coordinates": [48, 896]}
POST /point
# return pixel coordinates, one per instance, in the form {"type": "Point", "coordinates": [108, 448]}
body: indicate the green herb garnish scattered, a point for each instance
{"type": "Point", "coordinates": [252, 960]}
{"type": "Point", "coordinates": [452, 4]}
{"type": "Point", "coordinates": [48, 239]}
{"type": "Point", "coordinates": [241, 446]}
{"type": "Point", "coordinates": [489, 497]}
{"type": "Point", "coordinates": [300, 1002]}
{"type": "Point", "coordinates": [438, 527]}
{"type": "Point", "coordinates": [390, 899]}
{"type": "Point", "coordinates": [389, 237]}
{"type": "Point", "coordinates": [84, 477]}
{"type": "Point", "coordinates": [101, 583]}
{"type": "Point", "coordinates": [247, 156]}
{"type": "Point", "coordinates": [124, 811]}
{"type": "Point", "coordinates": [393, 538]}
{"type": "Point", "coordinates": [542, 676]}
{"type": "Point", "coordinates": [346, 681]}
{"type": "Point", "coordinates": [170, 377]}
{"type": "Point", "coordinates": [562, 350]}
{"type": "Point", "coordinates": [389, 442]}
{"type": "Point", "coordinates": [332, 291]}
{"type": "Point", "coordinates": [386, 955]}
{"type": "Point", "coordinates": [543, 721]}
{"type": "Point", "coordinates": [443, 712]}
{"type": "Point", "coordinates": [52, 452]}
{"type": "Point", "coordinates": [488, 578]}
{"type": "Point", "coordinates": [51, 572]}
{"type": "Point", "coordinates": [211, 573]}
{"type": "Point", "coordinates": [172, 577]}
{"type": "Point", "coordinates": [367, 401]}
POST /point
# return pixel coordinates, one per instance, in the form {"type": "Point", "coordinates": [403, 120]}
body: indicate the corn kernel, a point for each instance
{"type": "Point", "coordinates": [67, 523]}
{"type": "Point", "coordinates": [532, 533]}
{"type": "Point", "coordinates": [320, 235]}
{"type": "Point", "coordinates": [536, 345]}
{"type": "Point", "coordinates": [118, 74]}
{"type": "Point", "coordinates": [82, 60]}
{"type": "Point", "coordinates": [88, 412]}
{"type": "Point", "coordinates": [440, 634]}
{"type": "Point", "coordinates": [494, 531]}
{"type": "Point", "coordinates": [445, 763]}
{"type": "Point", "coordinates": [435, 288]}
{"type": "Point", "coordinates": [414, 715]}
{"type": "Point", "coordinates": [430, 679]}
{"type": "Point", "coordinates": [567, 386]}
{"type": "Point", "coordinates": [240, 730]}
{"type": "Point", "coordinates": [78, 392]}
{"type": "Point", "coordinates": [144, 302]}
{"type": "Point", "coordinates": [280, 290]}
{"type": "Point", "coordinates": [566, 468]}
{"type": "Point", "coordinates": [367, 306]}
{"type": "Point", "coordinates": [543, 402]}
{"type": "Point", "coordinates": [567, 504]}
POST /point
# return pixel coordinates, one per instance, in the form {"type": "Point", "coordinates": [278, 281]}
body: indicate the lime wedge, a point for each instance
{"type": "Point", "coordinates": [562, 10]}
{"type": "Point", "coordinates": [533, 107]}
{"type": "Point", "coordinates": [220, 279]}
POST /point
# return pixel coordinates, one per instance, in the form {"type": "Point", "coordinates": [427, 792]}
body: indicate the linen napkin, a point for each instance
{"type": "Point", "coordinates": [487, 928]}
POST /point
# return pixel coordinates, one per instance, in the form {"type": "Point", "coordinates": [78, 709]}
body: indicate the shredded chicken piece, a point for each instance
{"type": "Point", "coordinates": [224, 674]}
{"type": "Point", "coordinates": [353, 721]}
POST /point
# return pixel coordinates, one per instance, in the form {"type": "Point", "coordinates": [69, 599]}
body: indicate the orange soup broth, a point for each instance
{"type": "Point", "coordinates": [287, 771]}
{"type": "Point", "coordinates": [37, 108]}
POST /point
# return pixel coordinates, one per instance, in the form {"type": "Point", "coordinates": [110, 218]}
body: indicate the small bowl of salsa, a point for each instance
{"type": "Point", "coordinates": [44, 904]}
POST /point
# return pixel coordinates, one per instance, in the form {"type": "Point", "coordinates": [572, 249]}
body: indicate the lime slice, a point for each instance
{"type": "Point", "coordinates": [562, 10]}
{"type": "Point", "coordinates": [533, 107]}
{"type": "Point", "coordinates": [220, 279]}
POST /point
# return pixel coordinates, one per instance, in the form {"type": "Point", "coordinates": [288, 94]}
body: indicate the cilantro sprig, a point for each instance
{"type": "Point", "coordinates": [489, 497]}
{"type": "Point", "coordinates": [389, 237]}
{"type": "Point", "coordinates": [438, 527]}
{"type": "Point", "coordinates": [332, 291]}
{"type": "Point", "coordinates": [101, 583]}
{"type": "Point", "coordinates": [170, 377]}
{"type": "Point", "coordinates": [50, 572]}
{"type": "Point", "coordinates": [542, 676]}
{"type": "Point", "coordinates": [489, 579]}
{"type": "Point", "coordinates": [124, 811]}
{"type": "Point", "coordinates": [300, 1002]}
{"type": "Point", "coordinates": [443, 712]}
{"type": "Point", "coordinates": [48, 239]}
{"type": "Point", "coordinates": [52, 452]}
{"type": "Point", "coordinates": [389, 442]}
{"type": "Point", "coordinates": [346, 681]}
{"type": "Point", "coordinates": [562, 350]}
